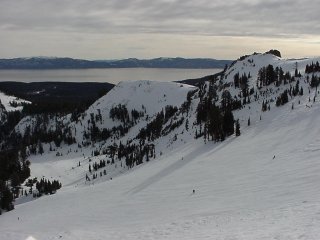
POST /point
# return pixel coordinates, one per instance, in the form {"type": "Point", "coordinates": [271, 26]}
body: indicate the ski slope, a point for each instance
{"type": "Point", "coordinates": [241, 191]}
{"type": "Point", "coordinates": [263, 184]}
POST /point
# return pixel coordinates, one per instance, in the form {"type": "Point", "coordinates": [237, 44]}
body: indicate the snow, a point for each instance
{"type": "Point", "coordinates": [241, 191]}
{"type": "Point", "coordinates": [262, 60]}
{"type": "Point", "coordinates": [134, 95]}
{"type": "Point", "coordinates": [5, 101]}
{"type": "Point", "coordinates": [261, 185]}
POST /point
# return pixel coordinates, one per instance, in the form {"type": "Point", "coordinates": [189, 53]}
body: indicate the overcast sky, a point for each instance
{"type": "Point", "coordinates": [112, 29]}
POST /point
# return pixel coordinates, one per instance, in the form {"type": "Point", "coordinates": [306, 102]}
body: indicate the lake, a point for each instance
{"type": "Point", "coordinates": [111, 75]}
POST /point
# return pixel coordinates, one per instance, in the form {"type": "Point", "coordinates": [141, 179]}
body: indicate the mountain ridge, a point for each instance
{"type": "Point", "coordinates": [70, 63]}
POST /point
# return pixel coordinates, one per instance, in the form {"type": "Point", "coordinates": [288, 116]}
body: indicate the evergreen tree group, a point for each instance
{"type": "Point", "coordinates": [14, 169]}
{"type": "Point", "coordinates": [242, 82]}
{"type": "Point", "coordinates": [282, 99]}
{"type": "Point", "coordinates": [45, 186]}
{"type": "Point", "coordinates": [268, 75]}
{"type": "Point", "coordinates": [315, 81]}
{"type": "Point", "coordinates": [312, 68]}
{"type": "Point", "coordinates": [217, 122]}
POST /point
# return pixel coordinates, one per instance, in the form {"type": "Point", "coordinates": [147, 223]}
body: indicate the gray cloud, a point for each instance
{"type": "Point", "coordinates": [70, 25]}
{"type": "Point", "coordinates": [217, 18]}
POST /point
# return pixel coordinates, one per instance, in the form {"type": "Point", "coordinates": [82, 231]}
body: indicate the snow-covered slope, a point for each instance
{"type": "Point", "coordinates": [253, 63]}
{"type": "Point", "coordinates": [260, 185]}
{"type": "Point", "coordinates": [241, 191]}
{"type": "Point", "coordinates": [146, 96]}
{"type": "Point", "coordinates": [6, 100]}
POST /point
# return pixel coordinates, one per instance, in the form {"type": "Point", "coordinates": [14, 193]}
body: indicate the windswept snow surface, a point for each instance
{"type": "Point", "coordinates": [261, 185]}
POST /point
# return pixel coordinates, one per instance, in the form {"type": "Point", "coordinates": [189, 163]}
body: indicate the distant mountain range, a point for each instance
{"type": "Point", "coordinates": [70, 63]}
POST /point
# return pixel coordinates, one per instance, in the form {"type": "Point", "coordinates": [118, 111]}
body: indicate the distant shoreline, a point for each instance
{"type": "Point", "coordinates": [37, 63]}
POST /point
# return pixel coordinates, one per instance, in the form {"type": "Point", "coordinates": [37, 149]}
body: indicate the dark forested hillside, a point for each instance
{"type": "Point", "coordinates": [56, 96]}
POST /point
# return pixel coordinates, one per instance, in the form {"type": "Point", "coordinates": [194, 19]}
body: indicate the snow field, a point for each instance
{"type": "Point", "coordinates": [261, 185]}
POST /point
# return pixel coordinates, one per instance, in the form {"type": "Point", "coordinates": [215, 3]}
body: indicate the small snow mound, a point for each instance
{"type": "Point", "coordinates": [31, 238]}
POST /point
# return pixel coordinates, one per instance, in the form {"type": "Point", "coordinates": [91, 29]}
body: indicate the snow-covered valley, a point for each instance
{"type": "Point", "coordinates": [263, 184]}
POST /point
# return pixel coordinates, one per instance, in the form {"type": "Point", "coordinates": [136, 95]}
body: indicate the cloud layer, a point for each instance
{"type": "Point", "coordinates": [92, 21]}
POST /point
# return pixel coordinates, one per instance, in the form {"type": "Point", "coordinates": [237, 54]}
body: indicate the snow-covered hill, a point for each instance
{"type": "Point", "coordinates": [253, 63]}
{"type": "Point", "coordinates": [260, 185]}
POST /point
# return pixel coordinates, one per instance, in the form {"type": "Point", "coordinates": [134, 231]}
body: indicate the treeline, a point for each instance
{"type": "Point", "coordinates": [312, 68]}
{"type": "Point", "coordinates": [268, 75]}
{"type": "Point", "coordinates": [120, 113]}
{"type": "Point", "coordinates": [56, 97]}
{"type": "Point", "coordinates": [96, 166]}
{"type": "Point", "coordinates": [56, 106]}
{"type": "Point", "coordinates": [282, 99]}
{"type": "Point", "coordinates": [216, 122]}
{"type": "Point", "coordinates": [315, 81]}
{"type": "Point", "coordinates": [45, 186]}
{"type": "Point", "coordinates": [14, 170]}
{"type": "Point", "coordinates": [243, 83]}
{"type": "Point", "coordinates": [154, 129]}
{"type": "Point", "coordinates": [39, 132]}
{"type": "Point", "coordinates": [7, 123]}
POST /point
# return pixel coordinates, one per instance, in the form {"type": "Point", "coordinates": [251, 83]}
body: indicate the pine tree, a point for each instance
{"type": "Point", "coordinates": [238, 128]}
{"type": "Point", "coordinates": [228, 123]}
{"type": "Point", "coordinates": [40, 148]}
{"type": "Point", "coordinates": [301, 91]}
{"type": "Point", "coordinates": [6, 197]}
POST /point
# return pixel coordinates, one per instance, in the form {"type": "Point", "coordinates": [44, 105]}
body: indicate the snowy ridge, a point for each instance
{"type": "Point", "coordinates": [253, 63]}
{"type": "Point", "coordinates": [260, 185]}
{"type": "Point", "coordinates": [147, 96]}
